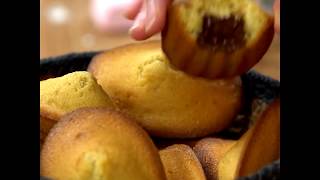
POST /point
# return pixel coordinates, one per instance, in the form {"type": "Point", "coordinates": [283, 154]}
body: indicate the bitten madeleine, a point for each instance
{"type": "Point", "coordinates": [180, 162]}
{"type": "Point", "coordinates": [166, 102]}
{"type": "Point", "coordinates": [62, 95]}
{"type": "Point", "coordinates": [209, 152]}
{"type": "Point", "coordinates": [97, 143]}
{"type": "Point", "coordinates": [216, 38]}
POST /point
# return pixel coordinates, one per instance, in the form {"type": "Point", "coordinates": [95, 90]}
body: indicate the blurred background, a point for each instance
{"type": "Point", "coordinates": [66, 26]}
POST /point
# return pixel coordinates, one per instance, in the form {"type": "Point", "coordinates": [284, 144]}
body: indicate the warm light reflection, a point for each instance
{"type": "Point", "coordinates": [58, 14]}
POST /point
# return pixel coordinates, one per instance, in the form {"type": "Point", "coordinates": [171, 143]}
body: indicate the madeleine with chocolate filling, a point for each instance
{"type": "Point", "coordinates": [216, 38]}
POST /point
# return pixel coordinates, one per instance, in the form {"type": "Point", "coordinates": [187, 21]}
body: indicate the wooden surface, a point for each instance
{"type": "Point", "coordinates": [65, 26]}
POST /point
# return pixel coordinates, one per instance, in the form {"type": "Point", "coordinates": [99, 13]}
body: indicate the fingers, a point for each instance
{"type": "Point", "coordinates": [107, 15]}
{"type": "Point", "coordinates": [133, 9]}
{"type": "Point", "coordinates": [137, 31]}
{"type": "Point", "coordinates": [156, 16]}
{"type": "Point", "coordinates": [150, 20]}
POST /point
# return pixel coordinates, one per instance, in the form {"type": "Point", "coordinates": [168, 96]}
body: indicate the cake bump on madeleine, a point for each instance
{"type": "Point", "coordinates": [64, 94]}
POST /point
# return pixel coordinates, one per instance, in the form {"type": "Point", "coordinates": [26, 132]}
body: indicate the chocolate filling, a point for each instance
{"type": "Point", "coordinates": [223, 34]}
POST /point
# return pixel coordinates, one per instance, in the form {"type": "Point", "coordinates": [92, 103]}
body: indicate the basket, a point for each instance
{"type": "Point", "coordinates": [256, 87]}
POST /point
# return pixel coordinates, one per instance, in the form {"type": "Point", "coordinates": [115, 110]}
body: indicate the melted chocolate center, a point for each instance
{"type": "Point", "coordinates": [223, 34]}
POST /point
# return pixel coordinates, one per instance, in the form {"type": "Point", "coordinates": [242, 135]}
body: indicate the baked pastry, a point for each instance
{"type": "Point", "coordinates": [209, 152]}
{"type": "Point", "coordinates": [62, 95]}
{"type": "Point", "coordinates": [265, 140]}
{"type": "Point", "coordinates": [216, 38]}
{"type": "Point", "coordinates": [259, 146]}
{"type": "Point", "coordinates": [45, 125]}
{"type": "Point", "coordinates": [97, 143]}
{"type": "Point", "coordinates": [180, 162]}
{"type": "Point", "coordinates": [166, 102]}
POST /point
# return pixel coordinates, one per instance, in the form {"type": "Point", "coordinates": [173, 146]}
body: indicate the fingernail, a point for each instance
{"type": "Point", "coordinates": [138, 21]}
{"type": "Point", "coordinates": [135, 25]}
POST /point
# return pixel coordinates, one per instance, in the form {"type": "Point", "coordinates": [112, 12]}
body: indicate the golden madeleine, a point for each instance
{"type": "Point", "coordinates": [97, 143]}
{"type": "Point", "coordinates": [167, 102]}
{"type": "Point", "coordinates": [180, 162]}
{"type": "Point", "coordinates": [258, 147]}
{"type": "Point", "coordinates": [45, 125]}
{"type": "Point", "coordinates": [62, 95]}
{"type": "Point", "coordinates": [209, 152]}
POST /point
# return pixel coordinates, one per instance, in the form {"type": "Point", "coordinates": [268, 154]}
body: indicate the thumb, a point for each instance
{"type": "Point", "coordinates": [150, 20]}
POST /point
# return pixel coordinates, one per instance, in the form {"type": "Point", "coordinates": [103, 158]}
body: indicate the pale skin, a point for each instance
{"type": "Point", "coordinates": [149, 17]}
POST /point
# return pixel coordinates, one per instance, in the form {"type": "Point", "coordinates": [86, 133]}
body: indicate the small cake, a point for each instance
{"type": "Point", "coordinates": [264, 145]}
{"type": "Point", "coordinates": [45, 125]}
{"type": "Point", "coordinates": [167, 102]}
{"type": "Point", "coordinates": [216, 38]}
{"type": "Point", "coordinates": [62, 95]}
{"type": "Point", "coordinates": [209, 152]}
{"type": "Point", "coordinates": [180, 162]}
{"type": "Point", "coordinates": [97, 143]}
{"type": "Point", "coordinates": [258, 147]}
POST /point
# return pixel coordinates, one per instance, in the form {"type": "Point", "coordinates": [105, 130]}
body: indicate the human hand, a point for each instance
{"type": "Point", "coordinates": [107, 15]}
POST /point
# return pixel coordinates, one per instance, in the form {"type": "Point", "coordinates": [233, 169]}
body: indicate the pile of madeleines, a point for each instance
{"type": "Point", "coordinates": [102, 123]}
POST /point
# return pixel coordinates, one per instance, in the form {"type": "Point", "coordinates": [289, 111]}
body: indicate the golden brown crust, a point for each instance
{"type": "Point", "coordinates": [183, 51]}
{"type": "Point", "coordinates": [166, 102]}
{"type": "Point", "coordinates": [93, 143]}
{"type": "Point", "coordinates": [180, 162]}
{"type": "Point", "coordinates": [45, 111]}
{"type": "Point", "coordinates": [259, 146]}
{"type": "Point", "coordinates": [209, 152]}
{"type": "Point", "coordinates": [64, 94]}
{"type": "Point", "coordinates": [96, 63]}
{"type": "Point", "coordinates": [45, 126]}
{"type": "Point", "coordinates": [268, 136]}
